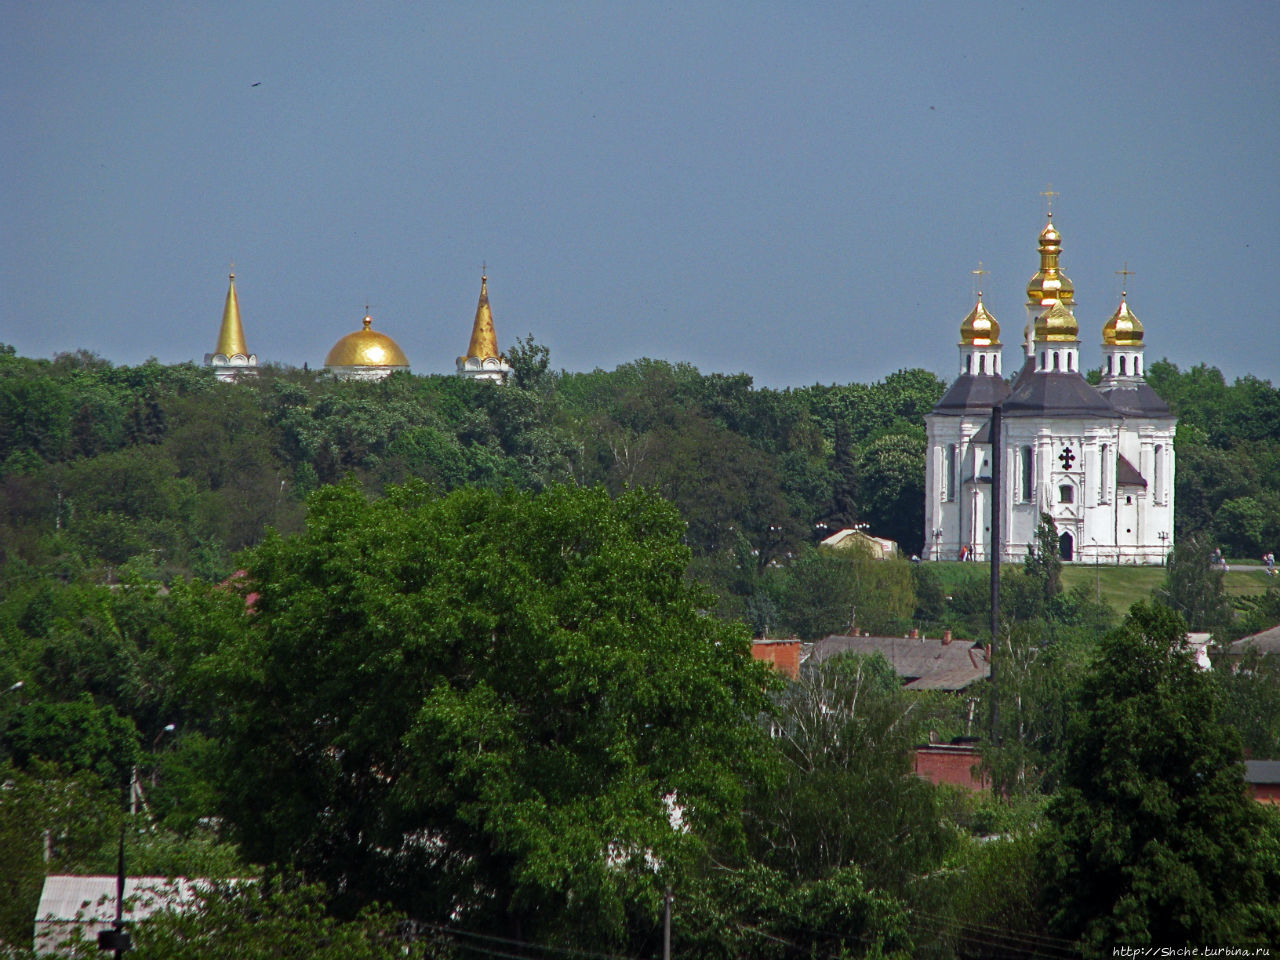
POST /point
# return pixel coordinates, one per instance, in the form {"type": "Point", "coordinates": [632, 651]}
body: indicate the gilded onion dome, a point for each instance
{"type": "Point", "coordinates": [231, 334]}
{"type": "Point", "coordinates": [1124, 329]}
{"type": "Point", "coordinates": [484, 338]}
{"type": "Point", "coordinates": [1057, 325]}
{"type": "Point", "coordinates": [366, 348]}
{"type": "Point", "coordinates": [1049, 282]}
{"type": "Point", "coordinates": [980, 328]}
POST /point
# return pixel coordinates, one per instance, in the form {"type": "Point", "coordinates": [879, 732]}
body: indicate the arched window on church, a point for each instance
{"type": "Point", "coordinates": [1044, 360]}
{"type": "Point", "coordinates": [1111, 366]}
{"type": "Point", "coordinates": [1071, 362]}
{"type": "Point", "coordinates": [1122, 366]}
{"type": "Point", "coordinates": [1057, 357]}
{"type": "Point", "coordinates": [968, 363]}
{"type": "Point", "coordinates": [949, 491]}
{"type": "Point", "coordinates": [982, 364]}
{"type": "Point", "coordinates": [1028, 471]}
{"type": "Point", "coordinates": [1137, 366]}
{"type": "Point", "coordinates": [1066, 493]}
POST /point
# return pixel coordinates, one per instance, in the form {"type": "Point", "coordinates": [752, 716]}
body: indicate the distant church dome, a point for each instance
{"type": "Point", "coordinates": [1049, 282]}
{"type": "Point", "coordinates": [1124, 329]}
{"type": "Point", "coordinates": [366, 354]}
{"type": "Point", "coordinates": [980, 327]}
{"type": "Point", "coordinates": [1057, 325]}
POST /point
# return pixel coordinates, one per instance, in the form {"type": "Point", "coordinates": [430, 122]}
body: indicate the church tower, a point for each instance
{"type": "Point", "coordinates": [231, 359]}
{"type": "Point", "coordinates": [482, 360]}
{"type": "Point", "coordinates": [958, 467]}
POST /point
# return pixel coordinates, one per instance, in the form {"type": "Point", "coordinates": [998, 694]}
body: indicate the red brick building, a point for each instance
{"type": "Point", "coordinates": [783, 654]}
{"type": "Point", "coordinates": [958, 764]}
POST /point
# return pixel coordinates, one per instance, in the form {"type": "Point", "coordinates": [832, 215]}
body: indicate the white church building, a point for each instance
{"type": "Point", "coordinates": [1098, 460]}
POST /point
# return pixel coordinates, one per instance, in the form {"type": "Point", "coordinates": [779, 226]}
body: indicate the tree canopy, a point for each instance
{"type": "Point", "coordinates": [505, 710]}
{"type": "Point", "coordinates": [1152, 839]}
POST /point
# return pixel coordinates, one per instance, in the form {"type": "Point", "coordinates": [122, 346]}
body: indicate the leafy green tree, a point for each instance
{"type": "Point", "coordinates": [890, 487]}
{"type": "Point", "coordinates": [1242, 525]}
{"type": "Point", "coordinates": [767, 914]}
{"type": "Point", "coordinates": [820, 592]}
{"type": "Point", "coordinates": [79, 735]}
{"type": "Point", "coordinates": [1043, 563]}
{"type": "Point", "coordinates": [1195, 587]}
{"type": "Point", "coordinates": [1152, 839]}
{"type": "Point", "coordinates": [845, 732]}
{"type": "Point", "coordinates": [1250, 695]}
{"type": "Point", "coordinates": [483, 708]}
{"type": "Point", "coordinates": [530, 365]}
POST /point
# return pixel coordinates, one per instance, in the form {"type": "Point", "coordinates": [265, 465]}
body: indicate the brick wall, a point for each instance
{"type": "Point", "coordinates": [950, 763]}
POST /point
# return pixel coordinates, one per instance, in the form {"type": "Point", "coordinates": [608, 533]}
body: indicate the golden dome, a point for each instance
{"type": "Point", "coordinates": [1124, 329]}
{"type": "Point", "coordinates": [231, 335]}
{"type": "Point", "coordinates": [980, 328]}
{"type": "Point", "coordinates": [1057, 325]}
{"type": "Point", "coordinates": [366, 348]}
{"type": "Point", "coordinates": [484, 338]}
{"type": "Point", "coordinates": [1049, 282]}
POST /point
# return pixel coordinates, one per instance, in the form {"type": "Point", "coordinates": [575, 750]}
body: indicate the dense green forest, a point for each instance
{"type": "Point", "coordinates": [476, 655]}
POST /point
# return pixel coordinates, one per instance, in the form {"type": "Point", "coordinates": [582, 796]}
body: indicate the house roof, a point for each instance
{"type": "Point", "coordinates": [1262, 771]}
{"type": "Point", "coordinates": [92, 899]}
{"type": "Point", "coordinates": [925, 664]}
{"type": "Point", "coordinates": [1268, 641]}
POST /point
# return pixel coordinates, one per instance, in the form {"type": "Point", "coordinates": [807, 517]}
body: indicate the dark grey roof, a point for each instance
{"type": "Point", "coordinates": [1268, 641]}
{"type": "Point", "coordinates": [1028, 368]}
{"type": "Point", "coordinates": [927, 664]}
{"type": "Point", "coordinates": [1262, 771]}
{"type": "Point", "coordinates": [1136, 400]}
{"type": "Point", "coordinates": [1127, 474]}
{"type": "Point", "coordinates": [1056, 395]}
{"type": "Point", "coordinates": [972, 392]}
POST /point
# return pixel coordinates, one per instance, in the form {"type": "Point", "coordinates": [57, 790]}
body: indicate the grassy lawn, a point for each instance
{"type": "Point", "coordinates": [1120, 587]}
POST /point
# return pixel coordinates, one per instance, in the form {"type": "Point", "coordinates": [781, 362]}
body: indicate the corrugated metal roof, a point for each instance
{"type": "Point", "coordinates": [93, 899]}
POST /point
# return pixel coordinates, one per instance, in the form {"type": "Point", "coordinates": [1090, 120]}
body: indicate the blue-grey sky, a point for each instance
{"type": "Point", "coordinates": [795, 190]}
